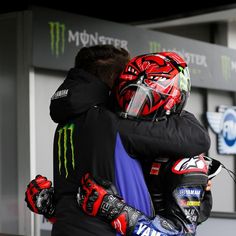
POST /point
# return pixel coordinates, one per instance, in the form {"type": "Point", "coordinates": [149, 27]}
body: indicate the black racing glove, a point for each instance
{"type": "Point", "coordinates": [98, 197]}
{"type": "Point", "coordinates": [39, 197]}
{"type": "Point", "coordinates": [214, 166]}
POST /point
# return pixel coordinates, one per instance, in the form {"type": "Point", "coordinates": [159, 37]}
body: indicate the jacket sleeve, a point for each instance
{"type": "Point", "coordinates": [178, 136]}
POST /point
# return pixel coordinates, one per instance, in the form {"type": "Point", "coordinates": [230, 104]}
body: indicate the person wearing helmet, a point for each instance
{"type": "Point", "coordinates": [153, 87]}
{"type": "Point", "coordinates": [90, 137]}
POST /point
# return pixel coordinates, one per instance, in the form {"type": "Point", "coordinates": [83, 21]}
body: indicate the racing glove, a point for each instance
{"type": "Point", "coordinates": [214, 167]}
{"type": "Point", "coordinates": [39, 197]}
{"type": "Point", "coordinates": [98, 197]}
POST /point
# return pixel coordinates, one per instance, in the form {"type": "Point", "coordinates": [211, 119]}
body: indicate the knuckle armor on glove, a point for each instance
{"type": "Point", "coordinates": [39, 196]}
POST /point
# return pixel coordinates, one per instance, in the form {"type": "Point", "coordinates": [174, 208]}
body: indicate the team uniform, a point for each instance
{"type": "Point", "coordinates": [154, 87]}
{"type": "Point", "coordinates": [91, 138]}
{"type": "Point", "coordinates": [178, 193]}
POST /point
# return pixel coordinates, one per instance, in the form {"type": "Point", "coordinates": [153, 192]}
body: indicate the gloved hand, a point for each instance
{"type": "Point", "coordinates": [205, 207]}
{"type": "Point", "coordinates": [39, 197]}
{"type": "Point", "coordinates": [214, 167]}
{"type": "Point", "coordinates": [98, 197]}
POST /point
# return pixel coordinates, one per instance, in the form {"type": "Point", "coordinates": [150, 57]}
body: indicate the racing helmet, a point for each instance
{"type": "Point", "coordinates": [153, 86]}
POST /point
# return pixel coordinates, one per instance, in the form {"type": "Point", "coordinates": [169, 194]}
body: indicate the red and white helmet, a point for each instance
{"type": "Point", "coordinates": [153, 85]}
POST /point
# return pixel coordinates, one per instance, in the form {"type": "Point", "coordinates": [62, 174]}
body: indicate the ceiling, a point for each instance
{"type": "Point", "coordinates": [123, 11]}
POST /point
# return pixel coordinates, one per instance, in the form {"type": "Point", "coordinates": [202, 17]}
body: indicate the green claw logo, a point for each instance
{"type": "Point", "coordinates": [184, 82]}
{"type": "Point", "coordinates": [154, 47]}
{"type": "Point", "coordinates": [226, 67]}
{"type": "Point", "coordinates": [57, 37]}
{"type": "Point", "coordinates": [65, 145]}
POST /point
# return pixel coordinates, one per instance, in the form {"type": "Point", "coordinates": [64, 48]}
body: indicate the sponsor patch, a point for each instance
{"type": "Point", "coordinates": [155, 168]}
{"type": "Point", "coordinates": [188, 165]}
{"type": "Point", "coordinates": [144, 230]}
{"type": "Point", "coordinates": [189, 192]}
{"type": "Point", "coordinates": [60, 94]}
{"type": "Point", "coordinates": [189, 203]}
{"type": "Point", "coordinates": [191, 214]}
{"type": "Point", "coordinates": [193, 203]}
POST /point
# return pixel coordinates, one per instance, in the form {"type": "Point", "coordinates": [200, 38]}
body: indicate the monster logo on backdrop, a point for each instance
{"type": "Point", "coordinates": [57, 35]}
{"type": "Point", "coordinates": [223, 123]}
{"type": "Point", "coordinates": [227, 66]}
{"type": "Point", "coordinates": [60, 35]}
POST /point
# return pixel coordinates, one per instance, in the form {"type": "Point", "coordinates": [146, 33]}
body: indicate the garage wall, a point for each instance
{"type": "Point", "coordinates": [44, 83]}
{"type": "Point", "coordinates": [8, 128]}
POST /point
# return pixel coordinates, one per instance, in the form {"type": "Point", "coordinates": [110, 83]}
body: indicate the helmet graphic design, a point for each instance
{"type": "Point", "coordinates": [153, 86]}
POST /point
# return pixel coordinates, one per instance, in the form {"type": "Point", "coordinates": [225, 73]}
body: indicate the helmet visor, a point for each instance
{"type": "Point", "coordinates": [143, 100]}
{"type": "Point", "coordinates": [154, 96]}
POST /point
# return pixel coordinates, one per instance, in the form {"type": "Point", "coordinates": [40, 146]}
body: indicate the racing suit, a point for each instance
{"type": "Point", "coordinates": [91, 138]}
{"type": "Point", "coordinates": [178, 200]}
{"type": "Point", "coordinates": [177, 188]}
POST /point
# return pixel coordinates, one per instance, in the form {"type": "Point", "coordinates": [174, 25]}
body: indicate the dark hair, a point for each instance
{"type": "Point", "coordinates": [104, 61]}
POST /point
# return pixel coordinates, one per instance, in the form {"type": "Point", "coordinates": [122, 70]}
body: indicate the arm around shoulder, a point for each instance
{"type": "Point", "coordinates": [177, 136]}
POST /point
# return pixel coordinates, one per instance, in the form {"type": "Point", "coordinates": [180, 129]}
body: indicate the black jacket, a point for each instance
{"type": "Point", "coordinates": [91, 138]}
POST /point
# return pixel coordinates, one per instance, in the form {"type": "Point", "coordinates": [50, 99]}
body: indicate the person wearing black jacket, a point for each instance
{"type": "Point", "coordinates": [152, 87]}
{"type": "Point", "coordinates": [91, 138]}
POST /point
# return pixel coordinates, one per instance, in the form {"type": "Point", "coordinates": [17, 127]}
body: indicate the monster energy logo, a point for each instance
{"type": "Point", "coordinates": [154, 47]}
{"type": "Point", "coordinates": [226, 67]}
{"type": "Point", "coordinates": [57, 36]}
{"type": "Point", "coordinates": [184, 82]}
{"type": "Point", "coordinates": [66, 146]}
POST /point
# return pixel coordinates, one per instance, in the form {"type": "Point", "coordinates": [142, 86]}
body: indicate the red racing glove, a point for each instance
{"type": "Point", "coordinates": [39, 197]}
{"type": "Point", "coordinates": [98, 197]}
